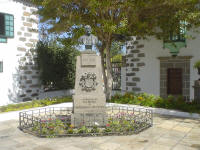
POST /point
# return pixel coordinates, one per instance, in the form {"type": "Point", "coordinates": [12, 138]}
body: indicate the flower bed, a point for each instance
{"type": "Point", "coordinates": [53, 122]}
{"type": "Point", "coordinates": [171, 102]}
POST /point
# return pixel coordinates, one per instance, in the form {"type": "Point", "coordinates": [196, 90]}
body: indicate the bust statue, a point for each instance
{"type": "Point", "coordinates": [88, 39]}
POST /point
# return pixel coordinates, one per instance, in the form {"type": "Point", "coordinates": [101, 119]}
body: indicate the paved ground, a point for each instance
{"type": "Point", "coordinates": [168, 133]}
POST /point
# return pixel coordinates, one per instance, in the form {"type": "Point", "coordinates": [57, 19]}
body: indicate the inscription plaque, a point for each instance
{"type": "Point", "coordinates": [88, 60]}
{"type": "Point", "coordinates": [89, 101]}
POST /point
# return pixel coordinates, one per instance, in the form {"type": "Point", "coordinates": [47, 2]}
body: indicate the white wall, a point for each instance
{"type": "Point", "coordinates": [150, 74]}
{"type": "Point", "coordinates": [9, 53]}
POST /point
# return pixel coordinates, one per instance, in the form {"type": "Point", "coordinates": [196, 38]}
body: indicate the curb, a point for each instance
{"type": "Point", "coordinates": [15, 114]}
{"type": "Point", "coordinates": [161, 111]}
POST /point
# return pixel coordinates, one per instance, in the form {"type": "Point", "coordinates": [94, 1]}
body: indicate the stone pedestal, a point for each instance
{"type": "Point", "coordinates": [89, 101]}
{"type": "Point", "coordinates": [197, 91]}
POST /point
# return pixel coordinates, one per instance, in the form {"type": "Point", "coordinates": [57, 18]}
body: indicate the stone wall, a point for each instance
{"type": "Point", "coordinates": [134, 63]}
{"type": "Point", "coordinates": [29, 83]}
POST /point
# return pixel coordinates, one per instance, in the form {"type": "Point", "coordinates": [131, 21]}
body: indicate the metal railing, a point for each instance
{"type": "Point", "coordinates": [53, 122]}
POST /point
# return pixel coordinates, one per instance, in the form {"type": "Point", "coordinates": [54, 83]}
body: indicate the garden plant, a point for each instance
{"type": "Point", "coordinates": [144, 99]}
{"type": "Point", "coordinates": [55, 122]}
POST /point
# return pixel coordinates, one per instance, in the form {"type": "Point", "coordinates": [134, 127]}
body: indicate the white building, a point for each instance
{"type": "Point", "coordinates": [150, 68]}
{"type": "Point", "coordinates": [18, 34]}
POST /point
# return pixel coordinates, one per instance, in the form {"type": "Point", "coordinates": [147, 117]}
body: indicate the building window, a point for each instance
{"type": "Point", "coordinates": [176, 40]}
{"type": "Point", "coordinates": [3, 40]}
{"type": "Point", "coordinates": [180, 36]}
{"type": "Point", "coordinates": [1, 66]}
{"type": "Point", "coordinates": [6, 27]}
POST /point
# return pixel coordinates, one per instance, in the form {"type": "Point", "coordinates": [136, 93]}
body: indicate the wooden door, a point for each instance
{"type": "Point", "coordinates": [174, 81]}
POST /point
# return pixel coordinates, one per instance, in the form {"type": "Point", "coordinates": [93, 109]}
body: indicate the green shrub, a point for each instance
{"type": "Point", "coordinates": [197, 64]}
{"type": "Point", "coordinates": [57, 65]}
{"type": "Point", "coordinates": [83, 129]}
{"type": "Point", "coordinates": [143, 99]}
{"type": "Point", "coordinates": [55, 127]}
{"type": "Point", "coordinates": [117, 58]}
{"type": "Point", "coordinates": [95, 129]}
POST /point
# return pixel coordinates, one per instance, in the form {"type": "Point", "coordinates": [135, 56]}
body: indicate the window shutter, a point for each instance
{"type": "Point", "coordinates": [3, 40]}
{"type": "Point", "coordinates": [9, 25]}
{"type": "Point", "coordinates": [2, 25]}
{"type": "Point", "coordinates": [1, 66]}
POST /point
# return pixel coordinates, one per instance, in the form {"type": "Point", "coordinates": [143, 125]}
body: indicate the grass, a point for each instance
{"type": "Point", "coordinates": [34, 103]}
{"type": "Point", "coordinates": [176, 103]}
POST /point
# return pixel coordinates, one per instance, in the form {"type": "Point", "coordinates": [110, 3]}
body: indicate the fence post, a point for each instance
{"type": "Point", "coordinates": [20, 121]}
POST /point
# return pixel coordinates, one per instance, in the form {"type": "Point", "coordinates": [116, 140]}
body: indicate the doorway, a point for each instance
{"type": "Point", "coordinates": [174, 81]}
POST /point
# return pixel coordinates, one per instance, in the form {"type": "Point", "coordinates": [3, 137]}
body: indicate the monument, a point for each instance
{"type": "Point", "coordinates": [89, 101]}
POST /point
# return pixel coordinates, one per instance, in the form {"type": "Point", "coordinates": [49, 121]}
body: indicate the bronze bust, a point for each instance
{"type": "Point", "coordinates": [88, 39]}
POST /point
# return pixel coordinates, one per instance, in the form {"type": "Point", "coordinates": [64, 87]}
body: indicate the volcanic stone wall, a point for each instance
{"type": "Point", "coordinates": [28, 74]}
{"type": "Point", "coordinates": [134, 63]}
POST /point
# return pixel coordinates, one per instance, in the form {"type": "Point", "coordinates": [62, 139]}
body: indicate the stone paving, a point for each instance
{"type": "Point", "coordinates": [168, 133]}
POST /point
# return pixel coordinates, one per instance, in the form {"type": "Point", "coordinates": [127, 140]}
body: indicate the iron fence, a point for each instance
{"type": "Point", "coordinates": [116, 74]}
{"type": "Point", "coordinates": [53, 122]}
